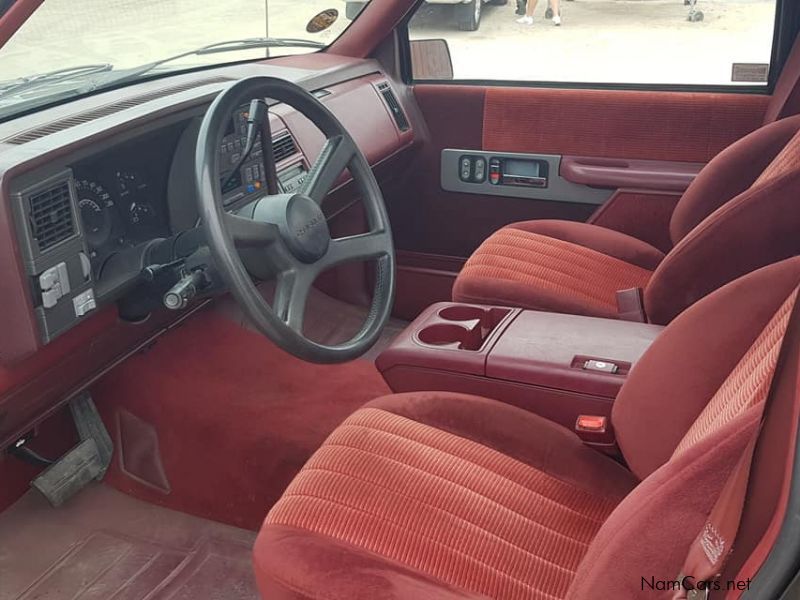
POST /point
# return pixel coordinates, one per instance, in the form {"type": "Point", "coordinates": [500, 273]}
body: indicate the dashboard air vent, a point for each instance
{"type": "Point", "coordinates": [283, 147]}
{"type": "Point", "coordinates": [108, 109]}
{"type": "Point", "coordinates": [394, 106]}
{"type": "Point", "coordinates": [50, 216]}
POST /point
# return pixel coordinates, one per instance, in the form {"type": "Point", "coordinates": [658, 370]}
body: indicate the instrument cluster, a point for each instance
{"type": "Point", "coordinates": [122, 197]}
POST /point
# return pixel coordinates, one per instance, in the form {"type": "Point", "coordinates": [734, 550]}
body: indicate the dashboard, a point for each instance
{"type": "Point", "coordinates": [99, 200]}
{"type": "Point", "coordinates": [96, 189]}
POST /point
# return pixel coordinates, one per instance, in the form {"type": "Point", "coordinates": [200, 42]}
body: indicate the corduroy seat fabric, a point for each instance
{"type": "Point", "coordinates": [738, 215]}
{"type": "Point", "coordinates": [450, 506]}
{"type": "Point", "coordinates": [442, 495]}
{"type": "Point", "coordinates": [566, 276]}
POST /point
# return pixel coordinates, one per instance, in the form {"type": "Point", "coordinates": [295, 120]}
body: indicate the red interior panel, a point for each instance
{"type": "Point", "coordinates": [33, 387]}
{"type": "Point", "coordinates": [679, 126]}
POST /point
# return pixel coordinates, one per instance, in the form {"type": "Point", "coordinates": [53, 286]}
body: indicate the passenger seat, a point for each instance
{"type": "Point", "coordinates": [742, 212]}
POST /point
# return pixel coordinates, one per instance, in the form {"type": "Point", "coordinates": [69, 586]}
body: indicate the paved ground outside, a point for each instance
{"type": "Point", "coordinates": [600, 40]}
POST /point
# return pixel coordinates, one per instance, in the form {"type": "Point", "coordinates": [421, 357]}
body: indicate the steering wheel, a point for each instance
{"type": "Point", "coordinates": [286, 236]}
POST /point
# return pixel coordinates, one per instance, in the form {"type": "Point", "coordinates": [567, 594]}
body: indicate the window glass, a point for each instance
{"type": "Point", "coordinates": [715, 42]}
{"type": "Point", "coordinates": [67, 46]}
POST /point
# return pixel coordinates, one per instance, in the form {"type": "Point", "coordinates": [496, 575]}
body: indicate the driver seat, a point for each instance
{"type": "Point", "coordinates": [447, 496]}
{"type": "Point", "coordinates": [739, 214]}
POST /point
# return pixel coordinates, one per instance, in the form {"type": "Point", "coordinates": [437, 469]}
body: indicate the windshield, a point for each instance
{"type": "Point", "coordinates": [96, 43]}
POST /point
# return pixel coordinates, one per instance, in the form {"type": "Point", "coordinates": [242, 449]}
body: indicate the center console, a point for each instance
{"type": "Point", "coordinates": [561, 367]}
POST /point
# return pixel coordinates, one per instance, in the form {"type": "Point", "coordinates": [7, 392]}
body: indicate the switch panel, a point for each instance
{"type": "Point", "coordinates": [54, 284]}
{"type": "Point", "coordinates": [472, 169]}
{"type": "Point", "coordinates": [514, 175]}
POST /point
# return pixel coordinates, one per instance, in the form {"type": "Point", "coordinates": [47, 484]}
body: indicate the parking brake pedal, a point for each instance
{"type": "Point", "coordinates": [86, 462]}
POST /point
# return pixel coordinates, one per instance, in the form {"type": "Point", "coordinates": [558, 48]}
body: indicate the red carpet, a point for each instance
{"type": "Point", "coordinates": [235, 417]}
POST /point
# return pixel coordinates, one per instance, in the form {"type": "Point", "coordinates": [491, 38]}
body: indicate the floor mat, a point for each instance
{"type": "Point", "coordinates": [104, 545]}
{"type": "Point", "coordinates": [215, 421]}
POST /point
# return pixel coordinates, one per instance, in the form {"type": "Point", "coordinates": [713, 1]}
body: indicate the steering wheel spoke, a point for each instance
{"type": "Point", "coordinates": [249, 233]}
{"type": "Point", "coordinates": [363, 246]}
{"type": "Point", "coordinates": [334, 158]}
{"type": "Point", "coordinates": [291, 296]}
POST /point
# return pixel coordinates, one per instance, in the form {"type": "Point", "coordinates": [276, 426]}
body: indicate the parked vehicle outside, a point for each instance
{"type": "Point", "coordinates": [467, 13]}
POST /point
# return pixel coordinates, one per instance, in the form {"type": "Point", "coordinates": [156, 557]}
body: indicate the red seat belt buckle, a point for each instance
{"type": "Point", "coordinates": [591, 423]}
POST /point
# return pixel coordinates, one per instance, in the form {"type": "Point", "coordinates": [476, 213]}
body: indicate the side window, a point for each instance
{"type": "Point", "coordinates": [662, 42]}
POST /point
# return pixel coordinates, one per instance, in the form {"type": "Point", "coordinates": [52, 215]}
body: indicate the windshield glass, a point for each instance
{"type": "Point", "coordinates": [96, 43]}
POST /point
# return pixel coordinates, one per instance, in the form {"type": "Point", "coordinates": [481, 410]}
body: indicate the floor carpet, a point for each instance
{"type": "Point", "coordinates": [215, 421]}
{"type": "Point", "coordinates": [104, 545]}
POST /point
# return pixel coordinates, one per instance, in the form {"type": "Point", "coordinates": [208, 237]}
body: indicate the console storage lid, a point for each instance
{"type": "Point", "coordinates": [552, 350]}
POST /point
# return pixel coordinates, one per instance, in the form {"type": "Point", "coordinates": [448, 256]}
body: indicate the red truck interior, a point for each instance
{"type": "Point", "coordinates": [517, 431]}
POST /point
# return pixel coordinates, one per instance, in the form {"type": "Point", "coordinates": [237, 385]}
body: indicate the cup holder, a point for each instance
{"type": "Point", "coordinates": [447, 334]}
{"type": "Point", "coordinates": [489, 317]}
{"type": "Point", "coordinates": [462, 326]}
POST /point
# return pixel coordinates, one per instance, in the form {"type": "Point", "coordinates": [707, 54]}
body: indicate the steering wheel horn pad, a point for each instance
{"type": "Point", "coordinates": [301, 224]}
{"type": "Point", "coordinates": [306, 231]}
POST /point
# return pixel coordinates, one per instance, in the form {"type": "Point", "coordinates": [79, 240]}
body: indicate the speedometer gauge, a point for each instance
{"type": "Point", "coordinates": [96, 206]}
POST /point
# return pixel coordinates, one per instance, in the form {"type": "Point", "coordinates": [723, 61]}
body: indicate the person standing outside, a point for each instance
{"type": "Point", "coordinates": [553, 5]}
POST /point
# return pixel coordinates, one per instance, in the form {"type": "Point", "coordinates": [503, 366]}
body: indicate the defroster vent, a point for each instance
{"type": "Point", "coordinates": [394, 106]}
{"type": "Point", "coordinates": [50, 216]}
{"type": "Point", "coordinates": [283, 147]}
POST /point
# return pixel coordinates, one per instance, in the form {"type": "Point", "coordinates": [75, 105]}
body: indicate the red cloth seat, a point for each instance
{"type": "Point", "coordinates": [557, 266]}
{"type": "Point", "coordinates": [442, 495]}
{"type": "Point", "coordinates": [497, 500]}
{"type": "Point", "coordinates": [738, 215]}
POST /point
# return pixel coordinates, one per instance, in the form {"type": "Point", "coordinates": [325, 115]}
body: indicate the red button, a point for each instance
{"type": "Point", "coordinates": [592, 423]}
